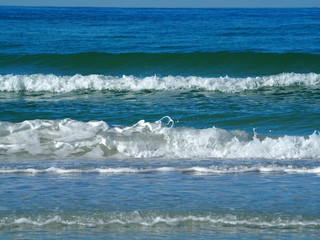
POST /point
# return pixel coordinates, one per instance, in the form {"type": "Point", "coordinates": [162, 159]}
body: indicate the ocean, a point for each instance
{"type": "Point", "coordinates": [159, 123]}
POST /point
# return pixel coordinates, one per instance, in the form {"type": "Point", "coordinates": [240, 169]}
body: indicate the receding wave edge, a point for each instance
{"type": "Point", "coordinates": [151, 219]}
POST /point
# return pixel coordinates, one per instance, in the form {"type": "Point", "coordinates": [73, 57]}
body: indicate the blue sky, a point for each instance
{"type": "Point", "coordinates": [165, 3]}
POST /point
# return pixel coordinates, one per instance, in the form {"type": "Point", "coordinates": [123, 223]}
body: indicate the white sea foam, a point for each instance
{"type": "Point", "coordinates": [147, 140]}
{"type": "Point", "coordinates": [53, 83]}
{"type": "Point", "coordinates": [153, 219]}
{"type": "Point", "coordinates": [241, 169]}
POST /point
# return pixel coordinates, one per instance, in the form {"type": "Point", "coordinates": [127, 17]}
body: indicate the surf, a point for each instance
{"type": "Point", "coordinates": [61, 84]}
{"type": "Point", "coordinates": [160, 139]}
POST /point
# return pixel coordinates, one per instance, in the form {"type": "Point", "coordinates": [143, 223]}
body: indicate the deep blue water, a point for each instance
{"type": "Point", "coordinates": [159, 123]}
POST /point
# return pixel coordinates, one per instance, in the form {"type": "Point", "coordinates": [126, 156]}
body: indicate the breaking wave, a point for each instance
{"type": "Point", "coordinates": [53, 83]}
{"type": "Point", "coordinates": [160, 139]}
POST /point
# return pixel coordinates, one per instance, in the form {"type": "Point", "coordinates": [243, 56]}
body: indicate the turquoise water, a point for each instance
{"type": "Point", "coordinates": [159, 123]}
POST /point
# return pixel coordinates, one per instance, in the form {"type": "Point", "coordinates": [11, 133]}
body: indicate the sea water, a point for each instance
{"type": "Point", "coordinates": [159, 123]}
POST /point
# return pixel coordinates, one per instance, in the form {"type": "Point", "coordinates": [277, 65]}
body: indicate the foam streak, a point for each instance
{"type": "Point", "coordinates": [153, 219]}
{"type": "Point", "coordinates": [190, 170]}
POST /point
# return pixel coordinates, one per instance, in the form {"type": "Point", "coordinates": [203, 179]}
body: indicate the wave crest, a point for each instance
{"type": "Point", "coordinates": [148, 140]}
{"type": "Point", "coordinates": [53, 83]}
{"type": "Point", "coordinates": [151, 219]}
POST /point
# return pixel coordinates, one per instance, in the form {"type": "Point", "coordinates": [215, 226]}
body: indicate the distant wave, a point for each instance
{"type": "Point", "coordinates": [151, 219]}
{"type": "Point", "coordinates": [53, 83]}
{"type": "Point", "coordinates": [185, 64]}
{"type": "Point", "coordinates": [98, 139]}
